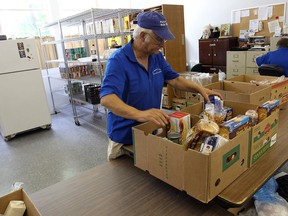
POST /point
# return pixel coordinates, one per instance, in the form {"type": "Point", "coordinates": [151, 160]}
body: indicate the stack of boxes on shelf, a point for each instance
{"type": "Point", "coordinates": [246, 136]}
{"type": "Point", "coordinates": [182, 99]}
{"type": "Point", "coordinates": [77, 71]}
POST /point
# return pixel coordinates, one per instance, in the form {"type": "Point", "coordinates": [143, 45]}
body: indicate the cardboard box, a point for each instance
{"type": "Point", "coordinates": [278, 90]}
{"type": "Point", "coordinates": [263, 136]}
{"type": "Point", "coordinates": [202, 176]}
{"type": "Point", "coordinates": [242, 92]}
{"type": "Point", "coordinates": [31, 210]}
{"type": "Point", "coordinates": [179, 103]}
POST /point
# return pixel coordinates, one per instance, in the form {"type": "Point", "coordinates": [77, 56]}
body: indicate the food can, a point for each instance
{"type": "Point", "coordinates": [174, 137]}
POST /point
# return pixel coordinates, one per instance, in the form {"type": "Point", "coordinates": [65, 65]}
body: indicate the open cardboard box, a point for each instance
{"type": "Point", "coordinates": [242, 92]}
{"type": "Point", "coordinates": [31, 210]}
{"type": "Point", "coordinates": [202, 176]}
{"type": "Point", "coordinates": [262, 136]}
{"type": "Point", "coordinates": [278, 90]}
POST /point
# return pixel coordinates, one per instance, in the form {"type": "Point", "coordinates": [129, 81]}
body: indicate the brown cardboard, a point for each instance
{"type": "Point", "coordinates": [202, 176]}
{"type": "Point", "coordinates": [31, 210]}
{"type": "Point", "coordinates": [242, 92]}
{"type": "Point", "coordinates": [278, 90]}
{"type": "Point", "coordinates": [263, 136]}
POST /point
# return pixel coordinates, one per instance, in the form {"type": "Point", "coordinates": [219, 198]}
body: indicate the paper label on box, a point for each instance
{"type": "Point", "coordinates": [266, 145]}
{"type": "Point", "coordinates": [273, 139]}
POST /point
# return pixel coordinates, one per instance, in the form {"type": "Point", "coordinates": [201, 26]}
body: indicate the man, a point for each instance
{"type": "Point", "coordinates": [134, 78]}
{"type": "Point", "coordinates": [278, 57]}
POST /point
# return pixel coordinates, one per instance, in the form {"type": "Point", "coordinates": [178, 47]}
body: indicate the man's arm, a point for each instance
{"type": "Point", "coordinates": [187, 85]}
{"type": "Point", "coordinates": [119, 108]}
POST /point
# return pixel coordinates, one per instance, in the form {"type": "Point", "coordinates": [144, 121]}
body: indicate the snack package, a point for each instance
{"type": "Point", "coordinates": [234, 126]}
{"type": "Point", "coordinates": [267, 108]}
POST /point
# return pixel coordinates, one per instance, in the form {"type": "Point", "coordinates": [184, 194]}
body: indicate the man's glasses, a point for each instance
{"type": "Point", "coordinates": [157, 41]}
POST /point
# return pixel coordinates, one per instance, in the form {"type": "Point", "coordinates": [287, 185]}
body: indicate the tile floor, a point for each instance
{"type": "Point", "coordinates": [41, 158]}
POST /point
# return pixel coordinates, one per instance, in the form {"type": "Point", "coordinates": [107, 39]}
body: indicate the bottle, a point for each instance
{"type": "Point", "coordinates": [93, 53]}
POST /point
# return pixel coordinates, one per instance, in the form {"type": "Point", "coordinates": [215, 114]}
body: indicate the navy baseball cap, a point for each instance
{"type": "Point", "coordinates": [156, 22]}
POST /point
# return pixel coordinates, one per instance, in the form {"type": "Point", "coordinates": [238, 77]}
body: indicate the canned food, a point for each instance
{"type": "Point", "coordinates": [174, 137]}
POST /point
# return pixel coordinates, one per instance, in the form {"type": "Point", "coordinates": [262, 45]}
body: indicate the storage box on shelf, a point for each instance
{"type": "Point", "coordinates": [279, 87]}
{"type": "Point", "coordinates": [82, 56]}
{"type": "Point", "coordinates": [181, 99]}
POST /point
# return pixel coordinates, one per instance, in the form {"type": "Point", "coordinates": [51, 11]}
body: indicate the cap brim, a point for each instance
{"type": "Point", "coordinates": [165, 34]}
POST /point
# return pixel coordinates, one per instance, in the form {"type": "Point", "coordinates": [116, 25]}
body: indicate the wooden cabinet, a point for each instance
{"type": "Point", "coordinates": [174, 50]}
{"type": "Point", "coordinates": [212, 53]}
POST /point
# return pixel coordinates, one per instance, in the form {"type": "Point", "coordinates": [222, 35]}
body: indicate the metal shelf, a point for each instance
{"type": "Point", "coordinates": [83, 20]}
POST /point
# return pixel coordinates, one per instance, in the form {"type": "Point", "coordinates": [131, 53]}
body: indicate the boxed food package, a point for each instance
{"type": "Point", "coordinates": [279, 87]}
{"type": "Point", "coordinates": [31, 210]}
{"type": "Point", "coordinates": [202, 175]}
{"type": "Point", "coordinates": [267, 109]}
{"type": "Point", "coordinates": [242, 92]}
{"type": "Point", "coordinates": [179, 122]}
{"type": "Point", "coordinates": [234, 126]}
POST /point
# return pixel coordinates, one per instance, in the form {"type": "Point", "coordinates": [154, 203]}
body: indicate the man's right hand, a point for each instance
{"type": "Point", "coordinates": [157, 116]}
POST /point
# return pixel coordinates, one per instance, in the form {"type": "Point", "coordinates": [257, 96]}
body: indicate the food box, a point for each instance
{"type": "Point", "coordinates": [278, 90]}
{"type": "Point", "coordinates": [242, 92]}
{"type": "Point", "coordinates": [202, 176]}
{"type": "Point", "coordinates": [31, 210]}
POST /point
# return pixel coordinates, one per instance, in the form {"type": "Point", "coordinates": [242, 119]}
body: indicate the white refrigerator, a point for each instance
{"type": "Point", "coordinates": [23, 101]}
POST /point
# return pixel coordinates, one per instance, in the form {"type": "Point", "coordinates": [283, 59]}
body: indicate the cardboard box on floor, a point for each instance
{"type": "Point", "coordinates": [242, 92]}
{"type": "Point", "coordinates": [278, 90]}
{"type": "Point", "coordinates": [31, 210]}
{"type": "Point", "coordinates": [202, 176]}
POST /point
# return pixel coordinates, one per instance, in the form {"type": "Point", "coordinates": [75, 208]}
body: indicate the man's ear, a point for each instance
{"type": "Point", "coordinates": [142, 36]}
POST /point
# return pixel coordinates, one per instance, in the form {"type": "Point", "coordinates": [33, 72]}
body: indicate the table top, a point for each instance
{"type": "Point", "coordinates": [265, 167]}
{"type": "Point", "coordinates": [119, 188]}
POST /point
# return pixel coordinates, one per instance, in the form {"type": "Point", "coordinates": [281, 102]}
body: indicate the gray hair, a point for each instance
{"type": "Point", "coordinates": [138, 30]}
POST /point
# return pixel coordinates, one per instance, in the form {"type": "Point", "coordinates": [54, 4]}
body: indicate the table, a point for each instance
{"type": "Point", "coordinates": [119, 188]}
{"type": "Point", "coordinates": [252, 179]}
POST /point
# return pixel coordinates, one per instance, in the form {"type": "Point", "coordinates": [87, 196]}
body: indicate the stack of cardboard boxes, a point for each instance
{"type": "Point", "coordinates": [204, 176]}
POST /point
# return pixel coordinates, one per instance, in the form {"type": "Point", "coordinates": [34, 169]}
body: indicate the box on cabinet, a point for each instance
{"type": "Point", "coordinates": [31, 210]}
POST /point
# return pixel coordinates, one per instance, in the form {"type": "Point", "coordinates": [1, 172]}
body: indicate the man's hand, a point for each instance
{"type": "Point", "coordinates": [157, 116]}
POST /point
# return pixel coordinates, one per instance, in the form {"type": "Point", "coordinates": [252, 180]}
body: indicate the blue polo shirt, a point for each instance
{"type": "Point", "coordinates": [139, 88]}
{"type": "Point", "coordinates": [278, 57]}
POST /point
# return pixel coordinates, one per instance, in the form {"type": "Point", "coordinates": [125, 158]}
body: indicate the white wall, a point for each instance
{"type": "Point", "coordinates": [199, 13]}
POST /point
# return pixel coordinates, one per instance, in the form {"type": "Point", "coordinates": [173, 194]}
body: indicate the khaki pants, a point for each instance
{"type": "Point", "coordinates": [114, 150]}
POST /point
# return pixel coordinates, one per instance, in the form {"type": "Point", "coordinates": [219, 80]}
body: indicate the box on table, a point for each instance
{"type": "Point", "coordinates": [202, 176]}
{"type": "Point", "coordinates": [202, 79]}
{"type": "Point", "coordinates": [31, 210]}
{"type": "Point", "coordinates": [278, 90]}
{"type": "Point", "coordinates": [242, 92]}
{"type": "Point", "coordinates": [179, 103]}
{"type": "Point", "coordinates": [262, 136]}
